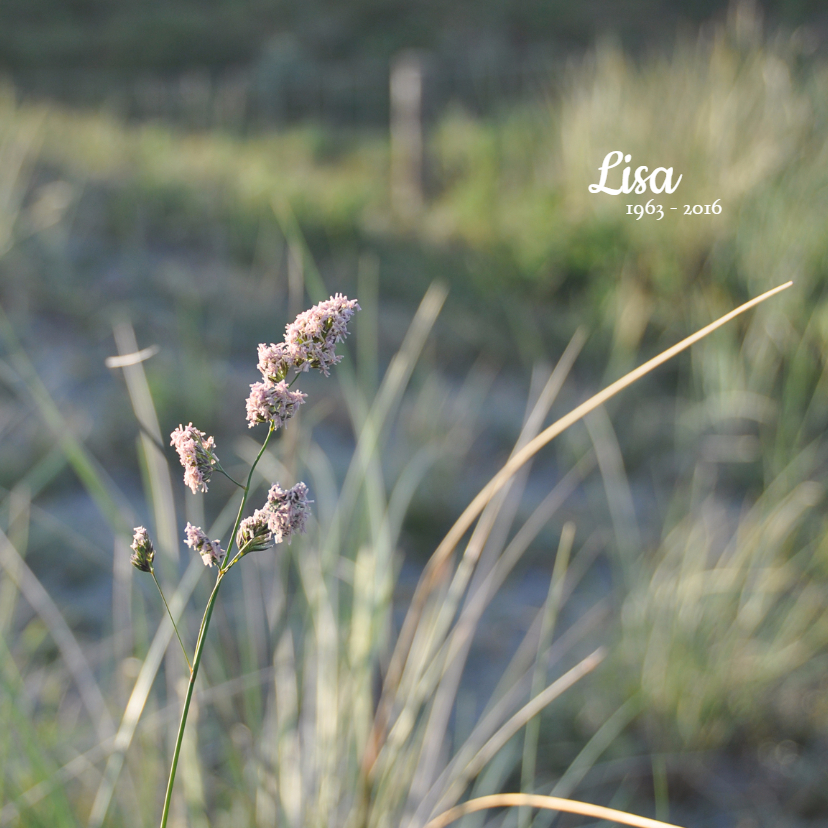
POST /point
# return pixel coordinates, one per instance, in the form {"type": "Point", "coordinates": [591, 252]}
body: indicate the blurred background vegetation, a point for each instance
{"type": "Point", "coordinates": [189, 176]}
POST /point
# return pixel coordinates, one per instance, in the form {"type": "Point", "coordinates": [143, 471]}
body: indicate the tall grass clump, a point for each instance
{"type": "Point", "coordinates": [315, 710]}
{"type": "Point", "coordinates": [728, 612]}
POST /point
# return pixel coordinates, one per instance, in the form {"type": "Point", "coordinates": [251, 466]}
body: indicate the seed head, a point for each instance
{"type": "Point", "coordinates": [311, 338]}
{"type": "Point", "coordinates": [254, 533]}
{"type": "Point", "coordinates": [272, 403]}
{"type": "Point", "coordinates": [195, 449]}
{"type": "Point", "coordinates": [287, 511]}
{"type": "Point", "coordinates": [274, 362]}
{"type": "Point", "coordinates": [142, 550]}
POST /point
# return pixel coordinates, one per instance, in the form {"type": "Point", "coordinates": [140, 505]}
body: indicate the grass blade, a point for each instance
{"type": "Point", "coordinates": [436, 565]}
{"type": "Point", "coordinates": [552, 803]}
{"type": "Point", "coordinates": [36, 594]}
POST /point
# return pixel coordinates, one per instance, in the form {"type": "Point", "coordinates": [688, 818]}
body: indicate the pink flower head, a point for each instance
{"type": "Point", "coordinates": [210, 551]}
{"type": "Point", "coordinates": [287, 511]}
{"type": "Point", "coordinates": [195, 449]}
{"type": "Point", "coordinates": [274, 361]}
{"type": "Point", "coordinates": [311, 338]}
{"type": "Point", "coordinates": [269, 403]}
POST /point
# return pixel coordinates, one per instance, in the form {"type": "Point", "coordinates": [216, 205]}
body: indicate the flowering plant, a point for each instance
{"type": "Point", "coordinates": [310, 342]}
{"type": "Point", "coordinates": [368, 756]}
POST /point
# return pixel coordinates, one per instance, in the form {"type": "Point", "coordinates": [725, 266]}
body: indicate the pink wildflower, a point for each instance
{"type": "Point", "coordinates": [283, 515]}
{"type": "Point", "coordinates": [274, 361]}
{"type": "Point", "coordinates": [195, 449]}
{"type": "Point", "coordinates": [210, 551]}
{"type": "Point", "coordinates": [311, 338]}
{"type": "Point", "coordinates": [270, 403]}
{"type": "Point", "coordinates": [287, 511]}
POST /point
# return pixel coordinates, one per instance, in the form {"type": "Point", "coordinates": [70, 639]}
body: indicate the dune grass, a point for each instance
{"type": "Point", "coordinates": [711, 627]}
{"type": "Point", "coordinates": [327, 754]}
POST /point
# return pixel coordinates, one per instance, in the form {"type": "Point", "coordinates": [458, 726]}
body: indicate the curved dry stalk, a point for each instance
{"type": "Point", "coordinates": [549, 803]}
{"type": "Point", "coordinates": [436, 564]}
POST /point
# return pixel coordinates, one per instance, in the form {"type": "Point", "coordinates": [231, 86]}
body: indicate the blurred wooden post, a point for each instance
{"type": "Point", "coordinates": [406, 87]}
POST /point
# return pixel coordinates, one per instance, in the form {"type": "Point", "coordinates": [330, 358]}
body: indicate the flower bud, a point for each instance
{"type": "Point", "coordinates": [254, 533]}
{"type": "Point", "coordinates": [142, 549]}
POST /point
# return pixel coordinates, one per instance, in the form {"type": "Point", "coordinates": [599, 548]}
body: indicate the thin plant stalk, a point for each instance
{"type": "Point", "coordinates": [231, 479]}
{"type": "Point", "coordinates": [202, 633]}
{"type": "Point", "coordinates": [205, 623]}
{"type": "Point", "coordinates": [175, 626]}
{"type": "Point", "coordinates": [549, 803]}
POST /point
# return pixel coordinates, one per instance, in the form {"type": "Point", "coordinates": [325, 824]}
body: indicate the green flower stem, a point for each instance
{"type": "Point", "coordinates": [202, 634]}
{"type": "Point", "coordinates": [231, 479]}
{"type": "Point", "coordinates": [239, 555]}
{"type": "Point", "coordinates": [244, 501]}
{"type": "Point", "coordinates": [205, 622]}
{"type": "Point", "coordinates": [161, 593]}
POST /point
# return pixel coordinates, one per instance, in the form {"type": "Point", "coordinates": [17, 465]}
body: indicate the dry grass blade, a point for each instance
{"type": "Point", "coordinates": [160, 484]}
{"type": "Point", "coordinates": [436, 564]}
{"type": "Point", "coordinates": [460, 639]}
{"type": "Point", "coordinates": [516, 722]}
{"type": "Point", "coordinates": [35, 593]}
{"type": "Point", "coordinates": [500, 479]}
{"type": "Point", "coordinates": [550, 803]}
{"type": "Point", "coordinates": [470, 576]}
{"type": "Point", "coordinates": [112, 504]}
{"type": "Point", "coordinates": [609, 731]}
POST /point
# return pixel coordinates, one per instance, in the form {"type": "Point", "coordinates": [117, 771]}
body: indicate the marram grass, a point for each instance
{"type": "Point", "coordinates": [310, 342]}
{"type": "Point", "coordinates": [326, 757]}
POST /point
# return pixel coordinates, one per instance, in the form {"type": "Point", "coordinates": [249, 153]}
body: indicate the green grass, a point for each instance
{"type": "Point", "coordinates": [743, 120]}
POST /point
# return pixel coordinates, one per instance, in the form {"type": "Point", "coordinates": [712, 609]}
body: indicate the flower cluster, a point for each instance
{"type": "Point", "coordinates": [210, 551]}
{"type": "Point", "coordinates": [284, 514]}
{"type": "Point", "coordinates": [287, 511]}
{"type": "Point", "coordinates": [274, 361]}
{"type": "Point", "coordinates": [312, 337]}
{"type": "Point", "coordinates": [254, 533]}
{"type": "Point", "coordinates": [195, 449]}
{"type": "Point", "coordinates": [310, 342]}
{"type": "Point", "coordinates": [272, 403]}
{"type": "Point", "coordinates": [142, 549]}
